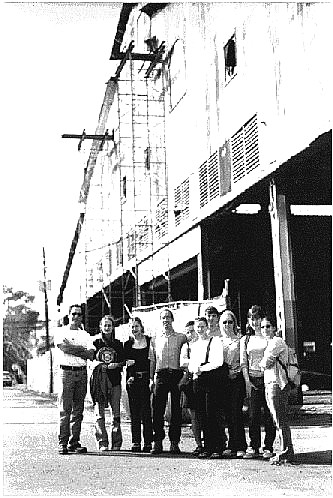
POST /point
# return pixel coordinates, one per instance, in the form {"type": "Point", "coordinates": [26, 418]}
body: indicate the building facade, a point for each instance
{"type": "Point", "coordinates": [220, 130]}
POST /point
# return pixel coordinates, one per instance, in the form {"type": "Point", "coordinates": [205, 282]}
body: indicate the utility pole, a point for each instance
{"type": "Point", "coordinates": [47, 338]}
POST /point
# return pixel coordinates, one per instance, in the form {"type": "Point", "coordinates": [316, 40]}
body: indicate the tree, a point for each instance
{"type": "Point", "coordinates": [19, 321]}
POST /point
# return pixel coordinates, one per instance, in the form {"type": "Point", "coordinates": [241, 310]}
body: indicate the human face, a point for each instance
{"type": "Point", "coordinates": [166, 320]}
{"type": "Point", "coordinates": [227, 323]}
{"type": "Point", "coordinates": [254, 321]}
{"type": "Point", "coordinates": [267, 329]}
{"type": "Point", "coordinates": [201, 329]}
{"type": "Point", "coordinates": [75, 316]}
{"type": "Point", "coordinates": [190, 332]}
{"type": "Point", "coordinates": [107, 327]}
{"type": "Point", "coordinates": [136, 328]}
{"type": "Point", "coordinates": [212, 319]}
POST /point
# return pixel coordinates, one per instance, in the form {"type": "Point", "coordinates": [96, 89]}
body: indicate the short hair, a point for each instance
{"type": "Point", "coordinates": [270, 318]}
{"type": "Point", "coordinates": [74, 306]}
{"type": "Point", "coordinates": [168, 310]}
{"type": "Point", "coordinates": [202, 319]}
{"type": "Point", "coordinates": [191, 322]}
{"type": "Point", "coordinates": [107, 317]}
{"type": "Point", "coordinates": [255, 311]}
{"type": "Point", "coordinates": [211, 310]}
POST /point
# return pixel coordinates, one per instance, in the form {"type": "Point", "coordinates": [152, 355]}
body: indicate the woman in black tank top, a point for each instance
{"type": "Point", "coordinates": [137, 386]}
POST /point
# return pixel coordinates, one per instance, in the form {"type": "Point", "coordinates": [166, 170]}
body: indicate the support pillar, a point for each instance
{"type": "Point", "coordinates": [283, 266]}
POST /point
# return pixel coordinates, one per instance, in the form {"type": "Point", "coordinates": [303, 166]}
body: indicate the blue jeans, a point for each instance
{"type": "Point", "coordinates": [140, 409]}
{"type": "Point", "coordinates": [100, 428]}
{"type": "Point", "coordinates": [71, 405]}
{"type": "Point", "coordinates": [257, 401]}
{"type": "Point", "coordinates": [277, 401]}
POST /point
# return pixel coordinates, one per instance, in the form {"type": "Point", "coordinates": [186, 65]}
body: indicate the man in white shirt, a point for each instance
{"type": "Point", "coordinates": [75, 347]}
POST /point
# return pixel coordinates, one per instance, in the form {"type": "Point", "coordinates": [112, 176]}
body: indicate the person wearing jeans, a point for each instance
{"type": "Point", "coordinates": [105, 384]}
{"type": "Point", "coordinates": [75, 346]}
{"type": "Point", "coordinates": [252, 349]}
{"type": "Point", "coordinates": [277, 389]}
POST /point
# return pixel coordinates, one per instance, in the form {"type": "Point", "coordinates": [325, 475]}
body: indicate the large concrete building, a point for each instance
{"type": "Point", "coordinates": [221, 137]}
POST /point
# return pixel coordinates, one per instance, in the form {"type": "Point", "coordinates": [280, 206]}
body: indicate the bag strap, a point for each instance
{"type": "Point", "coordinates": [208, 349]}
{"type": "Point", "coordinates": [284, 368]}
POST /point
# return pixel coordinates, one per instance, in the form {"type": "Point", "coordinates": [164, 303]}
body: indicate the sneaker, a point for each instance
{"type": "Point", "coordinates": [136, 448]}
{"type": "Point", "coordinates": [146, 448]}
{"type": "Point", "coordinates": [197, 451]}
{"type": "Point", "coordinates": [240, 454]}
{"type": "Point", "coordinates": [204, 454]}
{"type": "Point", "coordinates": [103, 448]}
{"type": "Point", "coordinates": [115, 448]}
{"type": "Point", "coordinates": [278, 460]}
{"type": "Point", "coordinates": [267, 454]}
{"type": "Point", "coordinates": [251, 453]}
{"type": "Point", "coordinates": [77, 448]}
{"type": "Point", "coordinates": [157, 448]}
{"type": "Point", "coordinates": [216, 455]}
{"type": "Point", "coordinates": [62, 450]}
{"type": "Point", "coordinates": [174, 448]}
{"type": "Point", "coordinates": [229, 454]}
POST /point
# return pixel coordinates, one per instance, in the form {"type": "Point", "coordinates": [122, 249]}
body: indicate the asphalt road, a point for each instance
{"type": "Point", "coordinates": [32, 467]}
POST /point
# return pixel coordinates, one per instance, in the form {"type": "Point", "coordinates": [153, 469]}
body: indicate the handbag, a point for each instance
{"type": "Point", "coordinates": [213, 379]}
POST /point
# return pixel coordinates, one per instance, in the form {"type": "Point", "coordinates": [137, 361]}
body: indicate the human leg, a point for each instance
{"type": "Point", "coordinates": [159, 403]}
{"type": "Point", "coordinates": [176, 411]}
{"type": "Point", "coordinates": [116, 434]}
{"type": "Point", "coordinates": [146, 413]}
{"type": "Point", "coordinates": [237, 440]}
{"type": "Point", "coordinates": [79, 394]}
{"type": "Point", "coordinates": [277, 401]}
{"type": "Point", "coordinates": [255, 404]}
{"type": "Point", "coordinates": [134, 405]}
{"type": "Point", "coordinates": [65, 403]}
{"type": "Point", "coordinates": [100, 429]}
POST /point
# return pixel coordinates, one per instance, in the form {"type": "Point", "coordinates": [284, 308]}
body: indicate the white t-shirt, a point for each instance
{"type": "Point", "coordinates": [77, 337]}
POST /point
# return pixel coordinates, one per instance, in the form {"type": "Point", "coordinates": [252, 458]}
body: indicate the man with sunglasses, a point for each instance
{"type": "Point", "coordinates": [75, 346]}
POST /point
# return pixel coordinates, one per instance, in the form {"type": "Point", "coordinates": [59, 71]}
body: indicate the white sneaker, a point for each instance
{"type": "Point", "coordinates": [240, 454]}
{"type": "Point", "coordinates": [104, 448]}
{"type": "Point", "coordinates": [251, 453]}
{"type": "Point", "coordinates": [266, 454]}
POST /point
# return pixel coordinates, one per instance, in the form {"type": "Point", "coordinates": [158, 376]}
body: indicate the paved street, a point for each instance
{"type": "Point", "coordinates": [32, 466]}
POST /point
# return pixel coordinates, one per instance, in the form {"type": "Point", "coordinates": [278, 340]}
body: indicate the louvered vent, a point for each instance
{"type": "Point", "coordinates": [182, 201]}
{"type": "Point", "coordinates": [161, 227]}
{"type": "Point", "coordinates": [245, 150]}
{"type": "Point", "coordinates": [209, 179]}
{"type": "Point", "coordinates": [131, 244]}
{"type": "Point", "coordinates": [143, 230]}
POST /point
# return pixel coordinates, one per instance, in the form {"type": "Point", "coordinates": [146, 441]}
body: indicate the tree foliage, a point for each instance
{"type": "Point", "coordinates": [19, 321]}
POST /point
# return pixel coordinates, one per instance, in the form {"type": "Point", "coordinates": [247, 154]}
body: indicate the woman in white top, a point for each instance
{"type": "Point", "coordinates": [234, 408]}
{"type": "Point", "coordinates": [206, 356]}
{"type": "Point", "coordinates": [276, 388]}
{"type": "Point", "coordinates": [252, 349]}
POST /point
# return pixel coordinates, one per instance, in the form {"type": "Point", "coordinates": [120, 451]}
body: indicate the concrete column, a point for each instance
{"type": "Point", "coordinates": [283, 266]}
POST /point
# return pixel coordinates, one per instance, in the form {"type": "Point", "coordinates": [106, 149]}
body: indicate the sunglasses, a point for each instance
{"type": "Point", "coordinates": [229, 322]}
{"type": "Point", "coordinates": [76, 314]}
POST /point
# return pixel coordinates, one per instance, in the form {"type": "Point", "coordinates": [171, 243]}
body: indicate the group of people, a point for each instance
{"type": "Point", "coordinates": [218, 366]}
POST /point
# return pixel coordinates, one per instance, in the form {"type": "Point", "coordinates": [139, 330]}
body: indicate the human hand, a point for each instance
{"type": "Point", "coordinates": [112, 366]}
{"type": "Point", "coordinates": [130, 381]}
{"type": "Point", "coordinates": [130, 363]}
{"type": "Point", "coordinates": [249, 387]}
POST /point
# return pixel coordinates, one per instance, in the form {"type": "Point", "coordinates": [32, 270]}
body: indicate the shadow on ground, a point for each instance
{"type": "Point", "coordinates": [314, 458]}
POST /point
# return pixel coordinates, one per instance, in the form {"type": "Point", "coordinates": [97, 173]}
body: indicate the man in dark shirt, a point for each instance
{"type": "Point", "coordinates": [105, 383]}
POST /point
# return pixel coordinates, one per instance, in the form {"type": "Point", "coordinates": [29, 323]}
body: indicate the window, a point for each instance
{"type": "Point", "coordinates": [124, 188]}
{"type": "Point", "coordinates": [230, 59]}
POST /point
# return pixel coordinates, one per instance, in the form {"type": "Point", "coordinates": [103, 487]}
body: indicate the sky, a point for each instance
{"type": "Point", "coordinates": [55, 64]}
